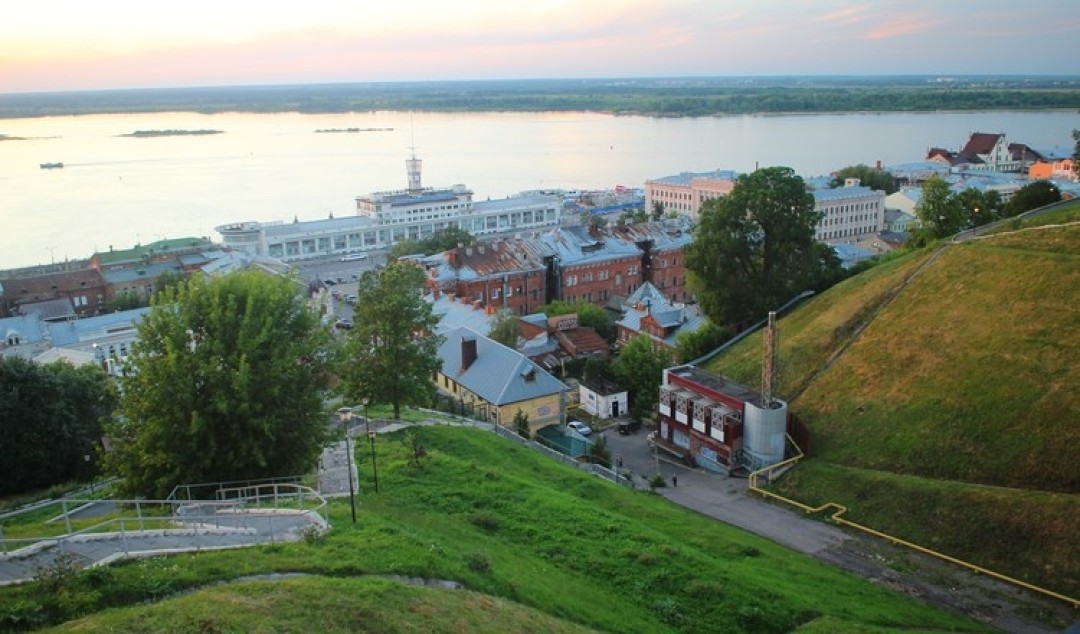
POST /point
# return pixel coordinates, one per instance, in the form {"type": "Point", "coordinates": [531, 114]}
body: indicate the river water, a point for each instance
{"type": "Point", "coordinates": [120, 191]}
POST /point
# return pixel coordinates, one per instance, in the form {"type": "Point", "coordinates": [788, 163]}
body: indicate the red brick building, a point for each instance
{"type": "Point", "coordinates": [581, 263]}
{"type": "Point", "coordinates": [717, 424]}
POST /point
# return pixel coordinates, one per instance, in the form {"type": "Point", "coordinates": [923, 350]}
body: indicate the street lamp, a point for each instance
{"type": "Point", "coordinates": [345, 416]}
{"type": "Point", "coordinates": [371, 440]}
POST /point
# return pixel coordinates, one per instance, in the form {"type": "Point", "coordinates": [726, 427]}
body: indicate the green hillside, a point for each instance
{"type": "Point", "coordinates": [953, 419]}
{"type": "Point", "coordinates": [539, 547]}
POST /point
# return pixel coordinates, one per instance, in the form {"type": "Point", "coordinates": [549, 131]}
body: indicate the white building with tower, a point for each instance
{"type": "Point", "coordinates": [385, 218]}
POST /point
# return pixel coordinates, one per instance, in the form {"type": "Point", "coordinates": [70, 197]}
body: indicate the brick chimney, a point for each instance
{"type": "Point", "coordinates": [454, 258]}
{"type": "Point", "coordinates": [468, 352]}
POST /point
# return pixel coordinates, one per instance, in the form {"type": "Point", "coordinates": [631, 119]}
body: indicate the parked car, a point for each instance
{"type": "Point", "coordinates": [627, 427]}
{"type": "Point", "coordinates": [328, 282]}
{"type": "Point", "coordinates": [343, 324]}
{"type": "Point", "coordinates": [579, 427]}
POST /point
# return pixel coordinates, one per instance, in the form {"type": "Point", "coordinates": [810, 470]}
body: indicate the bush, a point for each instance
{"type": "Point", "coordinates": [486, 520]}
{"type": "Point", "coordinates": [478, 562]}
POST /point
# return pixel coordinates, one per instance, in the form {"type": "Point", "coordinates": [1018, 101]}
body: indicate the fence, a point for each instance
{"type": "Point", "coordinates": [252, 514]}
{"type": "Point", "coordinates": [772, 472]}
{"type": "Point", "coordinates": [593, 468]}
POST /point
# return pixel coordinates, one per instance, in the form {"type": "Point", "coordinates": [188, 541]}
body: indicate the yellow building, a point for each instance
{"type": "Point", "coordinates": [496, 381]}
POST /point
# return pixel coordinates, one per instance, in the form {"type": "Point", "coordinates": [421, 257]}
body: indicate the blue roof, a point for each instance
{"type": "Point", "coordinates": [677, 317]}
{"type": "Point", "coordinates": [842, 193]}
{"type": "Point", "coordinates": [402, 200]}
{"type": "Point", "coordinates": [318, 226]}
{"type": "Point", "coordinates": [29, 328]}
{"type": "Point", "coordinates": [72, 332]}
{"type": "Point", "coordinates": [454, 315]}
{"type": "Point", "coordinates": [499, 375]}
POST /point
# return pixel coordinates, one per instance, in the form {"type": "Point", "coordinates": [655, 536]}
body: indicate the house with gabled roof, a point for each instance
{"type": "Point", "coordinates": [647, 312]}
{"type": "Point", "coordinates": [497, 382]}
{"type": "Point", "coordinates": [983, 151]}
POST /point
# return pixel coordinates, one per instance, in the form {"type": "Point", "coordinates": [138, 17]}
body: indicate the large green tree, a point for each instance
{"type": "Point", "coordinates": [754, 249]}
{"type": "Point", "coordinates": [868, 177]}
{"type": "Point", "coordinates": [939, 213]}
{"type": "Point", "coordinates": [639, 369]}
{"type": "Point", "coordinates": [51, 420]}
{"type": "Point", "coordinates": [437, 242]}
{"type": "Point", "coordinates": [391, 353]}
{"type": "Point", "coordinates": [980, 207]}
{"type": "Point", "coordinates": [1032, 196]}
{"type": "Point", "coordinates": [226, 383]}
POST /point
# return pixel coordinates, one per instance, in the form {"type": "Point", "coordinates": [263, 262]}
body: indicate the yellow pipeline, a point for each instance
{"type": "Point", "coordinates": [840, 510]}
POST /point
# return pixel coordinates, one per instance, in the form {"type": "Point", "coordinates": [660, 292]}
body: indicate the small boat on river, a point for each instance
{"type": "Point", "coordinates": [51, 166]}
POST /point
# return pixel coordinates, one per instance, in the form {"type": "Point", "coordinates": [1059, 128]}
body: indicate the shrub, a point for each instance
{"type": "Point", "coordinates": [486, 520]}
{"type": "Point", "coordinates": [478, 562]}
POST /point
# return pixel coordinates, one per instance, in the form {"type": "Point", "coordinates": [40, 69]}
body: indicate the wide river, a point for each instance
{"type": "Point", "coordinates": [119, 191]}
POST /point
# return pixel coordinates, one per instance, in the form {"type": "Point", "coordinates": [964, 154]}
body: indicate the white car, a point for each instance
{"type": "Point", "coordinates": [579, 427]}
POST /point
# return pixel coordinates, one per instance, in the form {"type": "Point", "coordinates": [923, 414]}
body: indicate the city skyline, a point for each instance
{"type": "Point", "coordinates": [69, 45]}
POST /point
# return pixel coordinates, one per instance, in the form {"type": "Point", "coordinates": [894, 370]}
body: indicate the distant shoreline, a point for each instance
{"type": "Point", "coordinates": [650, 97]}
{"type": "Point", "coordinates": [157, 133]}
{"type": "Point", "coordinates": [352, 130]}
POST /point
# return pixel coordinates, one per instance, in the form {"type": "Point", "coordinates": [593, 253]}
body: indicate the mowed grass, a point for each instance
{"type": "Point", "coordinates": [550, 546]}
{"type": "Point", "coordinates": [967, 379]}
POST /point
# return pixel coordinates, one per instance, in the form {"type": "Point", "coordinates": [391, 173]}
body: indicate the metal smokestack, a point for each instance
{"type": "Point", "coordinates": [768, 366]}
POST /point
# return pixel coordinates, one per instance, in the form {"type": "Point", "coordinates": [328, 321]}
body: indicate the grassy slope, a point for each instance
{"type": "Point", "coordinates": [511, 524]}
{"type": "Point", "coordinates": [967, 379]}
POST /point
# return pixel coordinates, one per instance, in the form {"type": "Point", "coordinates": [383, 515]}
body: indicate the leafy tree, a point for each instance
{"type": "Point", "coordinates": [697, 343]}
{"type": "Point", "coordinates": [50, 418]}
{"type": "Point", "coordinates": [168, 279]}
{"type": "Point", "coordinates": [588, 314]}
{"type": "Point", "coordinates": [505, 328]}
{"type": "Point", "coordinates": [391, 353]}
{"type": "Point", "coordinates": [979, 207]}
{"type": "Point", "coordinates": [599, 453]}
{"type": "Point", "coordinates": [447, 238]}
{"type": "Point", "coordinates": [1032, 196]}
{"type": "Point", "coordinates": [868, 176]}
{"type": "Point", "coordinates": [939, 213]}
{"type": "Point", "coordinates": [226, 383]}
{"type": "Point", "coordinates": [126, 300]}
{"type": "Point", "coordinates": [596, 368]}
{"type": "Point", "coordinates": [437, 242]}
{"type": "Point", "coordinates": [521, 424]}
{"type": "Point", "coordinates": [754, 249]}
{"type": "Point", "coordinates": [657, 210]}
{"type": "Point", "coordinates": [404, 247]}
{"type": "Point", "coordinates": [639, 369]}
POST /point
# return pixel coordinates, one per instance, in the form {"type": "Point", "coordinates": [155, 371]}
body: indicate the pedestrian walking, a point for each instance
{"type": "Point", "coordinates": [618, 462]}
{"type": "Point", "coordinates": [675, 480]}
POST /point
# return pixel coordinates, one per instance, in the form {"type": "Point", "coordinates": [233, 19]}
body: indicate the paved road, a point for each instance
{"type": "Point", "coordinates": [724, 498]}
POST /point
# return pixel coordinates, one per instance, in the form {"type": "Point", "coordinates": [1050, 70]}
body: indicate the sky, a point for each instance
{"type": "Point", "coordinates": [94, 44]}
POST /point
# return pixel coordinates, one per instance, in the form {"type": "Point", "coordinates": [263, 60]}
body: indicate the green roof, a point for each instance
{"type": "Point", "coordinates": [138, 252]}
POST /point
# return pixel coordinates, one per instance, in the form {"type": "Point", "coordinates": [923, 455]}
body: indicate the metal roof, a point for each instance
{"type": "Point", "coordinates": [499, 375]}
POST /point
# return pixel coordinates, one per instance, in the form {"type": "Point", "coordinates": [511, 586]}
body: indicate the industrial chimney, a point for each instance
{"type": "Point", "coordinates": [768, 366]}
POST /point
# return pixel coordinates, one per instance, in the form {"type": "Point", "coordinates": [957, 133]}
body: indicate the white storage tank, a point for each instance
{"type": "Point", "coordinates": [764, 433]}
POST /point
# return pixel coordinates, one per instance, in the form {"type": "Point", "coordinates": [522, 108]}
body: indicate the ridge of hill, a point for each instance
{"type": "Point", "coordinates": [952, 419]}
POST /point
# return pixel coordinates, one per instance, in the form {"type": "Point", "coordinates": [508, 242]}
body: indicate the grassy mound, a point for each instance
{"type": "Point", "coordinates": [513, 527]}
{"type": "Point", "coordinates": [964, 378]}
